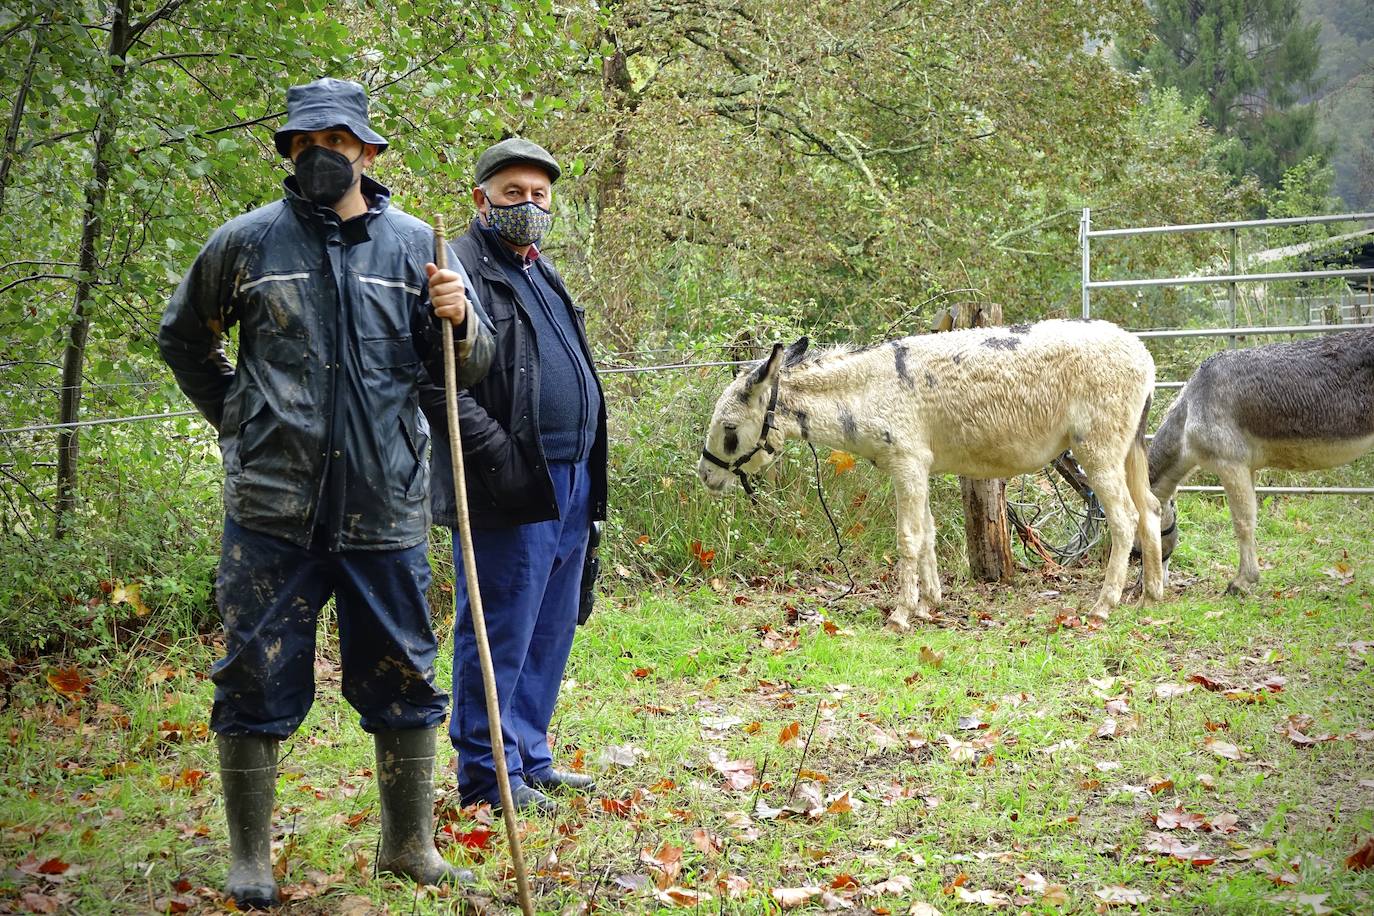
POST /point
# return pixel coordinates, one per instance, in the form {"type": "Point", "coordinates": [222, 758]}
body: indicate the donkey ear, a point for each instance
{"type": "Point", "coordinates": [796, 351]}
{"type": "Point", "coordinates": [763, 375]}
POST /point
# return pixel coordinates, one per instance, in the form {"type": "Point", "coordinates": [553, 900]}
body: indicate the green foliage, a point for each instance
{"type": "Point", "coordinates": [875, 164]}
{"type": "Point", "coordinates": [1304, 191]}
{"type": "Point", "coordinates": [1251, 63]}
{"type": "Point", "coordinates": [150, 531]}
{"type": "Point", "coordinates": [1345, 101]}
{"type": "Point", "coordinates": [148, 152]}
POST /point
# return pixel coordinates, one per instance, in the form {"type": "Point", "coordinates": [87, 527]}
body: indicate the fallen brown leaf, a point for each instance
{"type": "Point", "coordinates": [1362, 858]}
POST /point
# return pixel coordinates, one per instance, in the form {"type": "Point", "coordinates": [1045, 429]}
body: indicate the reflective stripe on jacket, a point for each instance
{"type": "Point", "coordinates": [334, 341]}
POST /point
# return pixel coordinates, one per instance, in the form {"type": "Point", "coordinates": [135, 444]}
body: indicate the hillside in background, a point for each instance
{"type": "Point", "coordinates": [1346, 97]}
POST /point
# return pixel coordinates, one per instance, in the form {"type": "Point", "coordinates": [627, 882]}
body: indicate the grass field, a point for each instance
{"type": "Point", "coordinates": [759, 749]}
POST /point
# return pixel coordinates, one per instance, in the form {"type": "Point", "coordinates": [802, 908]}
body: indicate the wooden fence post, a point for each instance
{"type": "Point", "coordinates": [986, 531]}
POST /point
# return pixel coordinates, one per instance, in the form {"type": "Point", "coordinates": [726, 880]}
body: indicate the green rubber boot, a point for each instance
{"type": "Point", "coordinates": [248, 774]}
{"type": "Point", "coordinates": [405, 782]}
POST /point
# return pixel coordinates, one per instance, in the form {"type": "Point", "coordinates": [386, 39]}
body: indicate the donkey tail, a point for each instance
{"type": "Point", "coordinates": [1147, 508]}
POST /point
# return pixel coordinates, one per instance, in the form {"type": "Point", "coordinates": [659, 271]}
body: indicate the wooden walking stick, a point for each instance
{"type": "Point", "coordinates": [479, 621]}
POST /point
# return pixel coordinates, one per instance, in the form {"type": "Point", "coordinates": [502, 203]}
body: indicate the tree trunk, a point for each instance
{"type": "Point", "coordinates": [985, 529]}
{"type": "Point", "coordinates": [73, 356]}
{"type": "Point", "coordinates": [17, 112]}
{"type": "Point", "coordinates": [986, 533]}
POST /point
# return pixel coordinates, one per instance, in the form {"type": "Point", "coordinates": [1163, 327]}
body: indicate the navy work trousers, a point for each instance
{"type": "Point", "coordinates": [270, 591]}
{"type": "Point", "coordinates": [530, 577]}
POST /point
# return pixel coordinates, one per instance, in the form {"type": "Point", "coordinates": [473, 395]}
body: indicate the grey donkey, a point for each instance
{"type": "Point", "coordinates": [1297, 406]}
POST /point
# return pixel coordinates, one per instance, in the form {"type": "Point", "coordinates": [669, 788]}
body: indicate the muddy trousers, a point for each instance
{"type": "Point", "coordinates": [270, 592]}
{"type": "Point", "coordinates": [530, 576]}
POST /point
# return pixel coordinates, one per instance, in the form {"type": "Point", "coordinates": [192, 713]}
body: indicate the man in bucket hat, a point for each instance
{"type": "Point", "coordinates": [534, 440]}
{"type": "Point", "coordinates": [326, 478]}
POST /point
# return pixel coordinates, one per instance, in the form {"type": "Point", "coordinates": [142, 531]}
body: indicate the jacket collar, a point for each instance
{"type": "Point", "coordinates": [503, 253]}
{"type": "Point", "coordinates": [377, 195]}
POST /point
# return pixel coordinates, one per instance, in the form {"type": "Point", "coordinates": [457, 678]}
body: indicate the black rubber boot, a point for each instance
{"type": "Point", "coordinates": [248, 774]}
{"type": "Point", "coordinates": [405, 782]}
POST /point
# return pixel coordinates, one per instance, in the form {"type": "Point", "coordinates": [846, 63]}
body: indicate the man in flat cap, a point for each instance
{"type": "Point", "coordinates": [534, 444]}
{"type": "Point", "coordinates": [326, 477]}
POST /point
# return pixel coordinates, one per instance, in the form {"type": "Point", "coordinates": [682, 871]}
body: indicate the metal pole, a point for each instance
{"type": "Point", "coordinates": [1085, 226]}
{"type": "Point", "coordinates": [1306, 491]}
{"type": "Point", "coordinates": [1235, 269]}
{"type": "Point", "coordinates": [1237, 224]}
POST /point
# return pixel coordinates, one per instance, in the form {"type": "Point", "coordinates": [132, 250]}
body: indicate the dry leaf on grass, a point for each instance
{"type": "Point", "coordinates": [842, 462]}
{"type": "Point", "coordinates": [1223, 749]}
{"type": "Point", "coordinates": [69, 682]}
{"type": "Point", "coordinates": [789, 898]}
{"type": "Point", "coordinates": [896, 886]}
{"type": "Point", "coordinates": [1178, 818]}
{"type": "Point", "coordinates": [1115, 894]}
{"type": "Point", "coordinates": [681, 896]}
{"type": "Point", "coordinates": [1362, 858]}
{"type": "Point", "coordinates": [1316, 903]}
{"type": "Point", "coordinates": [986, 897]}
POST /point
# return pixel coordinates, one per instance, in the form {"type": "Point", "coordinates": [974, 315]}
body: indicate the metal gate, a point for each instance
{"type": "Point", "coordinates": [1231, 281]}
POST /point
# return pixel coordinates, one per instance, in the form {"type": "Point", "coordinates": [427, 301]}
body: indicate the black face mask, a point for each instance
{"type": "Point", "coordinates": [323, 175]}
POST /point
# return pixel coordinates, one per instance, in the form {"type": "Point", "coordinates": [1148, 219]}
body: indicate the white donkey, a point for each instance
{"type": "Point", "coordinates": [985, 402]}
{"type": "Point", "coordinates": [1297, 406]}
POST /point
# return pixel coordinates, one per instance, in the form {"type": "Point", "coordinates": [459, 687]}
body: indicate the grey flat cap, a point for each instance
{"type": "Point", "coordinates": [323, 104]}
{"type": "Point", "coordinates": [511, 151]}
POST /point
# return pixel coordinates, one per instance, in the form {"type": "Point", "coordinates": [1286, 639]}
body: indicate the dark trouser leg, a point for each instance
{"type": "Point", "coordinates": [513, 566]}
{"type": "Point", "coordinates": [388, 648]}
{"type": "Point", "coordinates": [386, 640]}
{"type": "Point", "coordinates": [269, 591]}
{"type": "Point", "coordinates": [536, 693]}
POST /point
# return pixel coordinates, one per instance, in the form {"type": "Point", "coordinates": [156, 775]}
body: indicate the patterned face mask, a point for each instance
{"type": "Point", "coordinates": [520, 224]}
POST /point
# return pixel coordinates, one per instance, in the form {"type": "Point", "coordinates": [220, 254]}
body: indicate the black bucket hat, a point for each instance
{"type": "Point", "coordinates": [323, 104]}
{"type": "Point", "coordinates": [515, 149]}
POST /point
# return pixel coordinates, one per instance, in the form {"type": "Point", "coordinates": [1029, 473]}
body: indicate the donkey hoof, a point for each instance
{"type": "Point", "coordinates": [1238, 588]}
{"type": "Point", "coordinates": [895, 625]}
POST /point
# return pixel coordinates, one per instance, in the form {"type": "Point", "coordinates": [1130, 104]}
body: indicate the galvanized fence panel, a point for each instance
{"type": "Point", "coordinates": [1232, 280]}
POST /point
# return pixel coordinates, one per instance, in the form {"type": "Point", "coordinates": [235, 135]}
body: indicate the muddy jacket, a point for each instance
{"type": "Point", "coordinates": [507, 476]}
{"type": "Point", "coordinates": [335, 336]}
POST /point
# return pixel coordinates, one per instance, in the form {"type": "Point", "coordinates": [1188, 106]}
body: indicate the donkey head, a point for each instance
{"type": "Point", "coordinates": [1168, 532]}
{"type": "Point", "coordinates": [1168, 529]}
{"type": "Point", "coordinates": [743, 438]}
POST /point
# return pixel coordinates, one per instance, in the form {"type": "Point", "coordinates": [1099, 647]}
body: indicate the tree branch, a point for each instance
{"type": "Point", "coordinates": [159, 58]}
{"type": "Point", "coordinates": [55, 138]}
{"type": "Point", "coordinates": [211, 132]}
{"type": "Point", "coordinates": [35, 262]}
{"type": "Point", "coordinates": [163, 12]}
{"type": "Point", "coordinates": [22, 280]}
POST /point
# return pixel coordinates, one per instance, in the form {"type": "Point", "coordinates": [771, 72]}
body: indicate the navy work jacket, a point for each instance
{"type": "Point", "coordinates": [503, 458]}
{"type": "Point", "coordinates": [336, 335]}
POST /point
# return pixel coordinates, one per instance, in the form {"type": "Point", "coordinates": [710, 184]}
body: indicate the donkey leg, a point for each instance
{"type": "Point", "coordinates": [1115, 496]}
{"type": "Point", "coordinates": [930, 574]}
{"type": "Point", "coordinates": [1239, 483]}
{"type": "Point", "coordinates": [911, 486]}
{"type": "Point", "coordinates": [1147, 527]}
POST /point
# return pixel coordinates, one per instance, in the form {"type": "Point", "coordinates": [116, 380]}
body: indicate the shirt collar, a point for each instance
{"type": "Point", "coordinates": [507, 252]}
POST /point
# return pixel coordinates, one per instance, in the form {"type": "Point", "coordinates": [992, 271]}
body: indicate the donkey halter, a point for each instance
{"type": "Point", "coordinates": [763, 445]}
